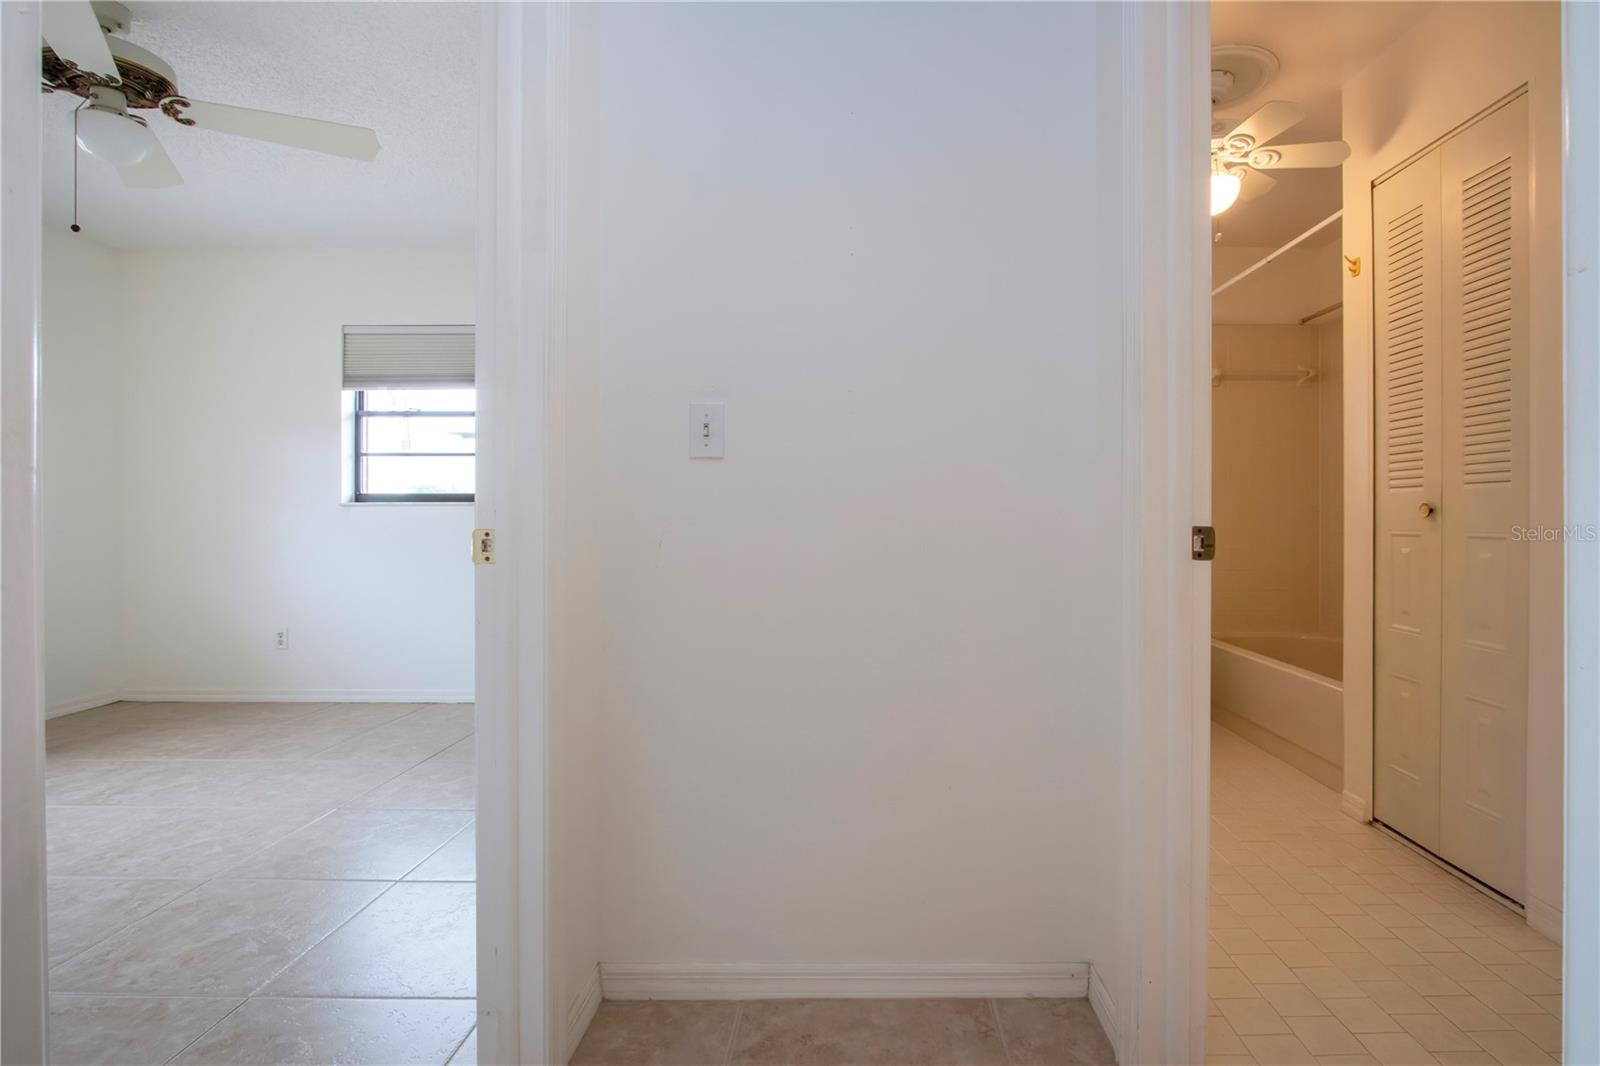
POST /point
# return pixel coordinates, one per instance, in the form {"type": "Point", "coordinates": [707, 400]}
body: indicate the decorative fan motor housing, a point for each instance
{"type": "Point", "coordinates": [146, 77]}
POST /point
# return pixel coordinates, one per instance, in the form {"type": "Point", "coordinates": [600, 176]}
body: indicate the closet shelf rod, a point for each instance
{"type": "Point", "coordinates": [1330, 309]}
{"type": "Point", "coordinates": [1299, 376]}
{"type": "Point", "coordinates": [1270, 256]}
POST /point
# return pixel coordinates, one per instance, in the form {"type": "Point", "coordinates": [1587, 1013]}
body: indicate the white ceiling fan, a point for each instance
{"type": "Point", "coordinates": [1240, 157]}
{"type": "Point", "coordinates": [83, 56]}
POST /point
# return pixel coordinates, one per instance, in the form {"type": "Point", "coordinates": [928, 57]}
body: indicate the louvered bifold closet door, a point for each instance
{"type": "Point", "coordinates": [1484, 677]}
{"type": "Point", "coordinates": [1408, 482]}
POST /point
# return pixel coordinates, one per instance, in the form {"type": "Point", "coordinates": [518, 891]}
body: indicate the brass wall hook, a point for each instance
{"type": "Point", "coordinates": [1353, 265]}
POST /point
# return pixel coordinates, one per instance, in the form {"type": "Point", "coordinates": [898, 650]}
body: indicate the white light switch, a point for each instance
{"type": "Point", "coordinates": [705, 431]}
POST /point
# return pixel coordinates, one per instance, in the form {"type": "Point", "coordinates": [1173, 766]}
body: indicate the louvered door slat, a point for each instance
{"type": "Point", "coordinates": [1407, 562]}
{"type": "Point", "coordinates": [1483, 662]}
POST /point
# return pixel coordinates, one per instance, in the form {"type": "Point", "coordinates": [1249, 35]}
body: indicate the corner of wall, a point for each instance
{"type": "Point", "coordinates": [580, 1012]}
{"type": "Point", "coordinates": [1544, 918]}
{"type": "Point", "coordinates": [1354, 805]}
{"type": "Point", "coordinates": [1105, 1009]}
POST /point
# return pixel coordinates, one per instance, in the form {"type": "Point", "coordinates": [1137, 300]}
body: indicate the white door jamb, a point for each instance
{"type": "Point", "coordinates": [522, 97]}
{"type": "Point", "coordinates": [1580, 45]}
{"type": "Point", "coordinates": [22, 893]}
{"type": "Point", "coordinates": [1166, 355]}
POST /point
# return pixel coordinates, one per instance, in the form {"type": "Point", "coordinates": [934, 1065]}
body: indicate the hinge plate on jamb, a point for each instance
{"type": "Point", "coordinates": [482, 547]}
{"type": "Point", "coordinates": [1203, 543]}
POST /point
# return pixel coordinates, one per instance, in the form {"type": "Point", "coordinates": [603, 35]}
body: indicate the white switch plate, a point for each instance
{"type": "Point", "coordinates": [705, 431]}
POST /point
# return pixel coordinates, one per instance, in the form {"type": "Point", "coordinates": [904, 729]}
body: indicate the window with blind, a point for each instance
{"type": "Point", "coordinates": [411, 408]}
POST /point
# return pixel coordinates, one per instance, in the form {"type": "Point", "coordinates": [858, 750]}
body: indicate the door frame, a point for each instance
{"type": "Point", "coordinates": [512, 1013]}
{"type": "Point", "coordinates": [520, 259]}
{"type": "Point", "coordinates": [1163, 213]}
{"type": "Point", "coordinates": [518, 82]}
{"type": "Point", "coordinates": [1580, 1017]}
{"type": "Point", "coordinates": [22, 867]}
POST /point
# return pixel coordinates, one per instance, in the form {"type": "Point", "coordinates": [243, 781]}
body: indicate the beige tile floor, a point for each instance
{"type": "Point", "coordinates": [1333, 943]}
{"type": "Point", "coordinates": [846, 1032]}
{"type": "Point", "coordinates": [261, 883]}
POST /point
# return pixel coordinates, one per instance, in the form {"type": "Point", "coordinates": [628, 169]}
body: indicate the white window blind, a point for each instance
{"type": "Point", "coordinates": [380, 357]}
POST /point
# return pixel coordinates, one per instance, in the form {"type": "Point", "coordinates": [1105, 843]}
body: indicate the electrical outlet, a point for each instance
{"type": "Point", "coordinates": [280, 639]}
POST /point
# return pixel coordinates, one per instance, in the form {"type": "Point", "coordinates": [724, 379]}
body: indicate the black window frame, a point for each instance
{"type": "Point", "coordinates": [361, 414]}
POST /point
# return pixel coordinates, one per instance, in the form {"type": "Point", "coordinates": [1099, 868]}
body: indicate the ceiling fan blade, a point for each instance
{"type": "Point", "coordinates": [1269, 120]}
{"type": "Point", "coordinates": [73, 33]}
{"type": "Point", "coordinates": [1314, 154]}
{"type": "Point", "coordinates": [154, 171]}
{"type": "Point", "coordinates": [333, 138]}
{"type": "Point", "coordinates": [1255, 184]}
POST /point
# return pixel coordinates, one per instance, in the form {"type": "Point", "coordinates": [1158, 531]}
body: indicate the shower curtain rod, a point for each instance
{"type": "Point", "coordinates": [1270, 256]}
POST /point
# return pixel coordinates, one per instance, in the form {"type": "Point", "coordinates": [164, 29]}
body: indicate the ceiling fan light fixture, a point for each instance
{"type": "Point", "coordinates": [1225, 186]}
{"type": "Point", "coordinates": [106, 131]}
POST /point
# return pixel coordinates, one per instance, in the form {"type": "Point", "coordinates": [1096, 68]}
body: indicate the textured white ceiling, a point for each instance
{"type": "Point", "coordinates": [408, 70]}
{"type": "Point", "coordinates": [1319, 45]}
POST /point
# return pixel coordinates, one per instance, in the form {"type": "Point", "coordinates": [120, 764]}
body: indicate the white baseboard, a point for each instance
{"type": "Point", "coordinates": [580, 1012]}
{"type": "Point", "coordinates": [329, 695]}
{"type": "Point", "coordinates": [82, 703]}
{"type": "Point", "coordinates": [1355, 806]}
{"type": "Point", "coordinates": [842, 980]}
{"type": "Point", "coordinates": [1105, 1009]}
{"type": "Point", "coordinates": [1543, 919]}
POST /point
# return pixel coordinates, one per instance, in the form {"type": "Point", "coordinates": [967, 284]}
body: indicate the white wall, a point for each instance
{"type": "Point", "coordinates": [80, 394]}
{"type": "Point", "coordinates": [856, 686]}
{"type": "Point", "coordinates": [1454, 63]}
{"type": "Point", "coordinates": [227, 450]}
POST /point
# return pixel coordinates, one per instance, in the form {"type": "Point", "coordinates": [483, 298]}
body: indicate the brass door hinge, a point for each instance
{"type": "Point", "coordinates": [482, 547]}
{"type": "Point", "coordinates": [1203, 543]}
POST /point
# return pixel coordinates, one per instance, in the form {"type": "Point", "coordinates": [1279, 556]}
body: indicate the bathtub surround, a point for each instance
{"type": "Point", "coordinates": [1276, 479]}
{"type": "Point", "coordinates": [1330, 482]}
{"type": "Point", "coordinates": [1284, 694]}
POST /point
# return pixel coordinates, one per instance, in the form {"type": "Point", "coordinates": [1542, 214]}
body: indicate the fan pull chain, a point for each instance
{"type": "Point", "coordinates": [76, 151]}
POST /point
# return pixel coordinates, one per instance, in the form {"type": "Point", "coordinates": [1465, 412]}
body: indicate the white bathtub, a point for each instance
{"type": "Point", "coordinates": [1283, 691]}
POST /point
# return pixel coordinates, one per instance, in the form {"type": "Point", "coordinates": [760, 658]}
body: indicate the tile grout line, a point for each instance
{"type": "Point", "coordinates": [472, 824]}
{"type": "Point", "coordinates": [1000, 1027]}
{"type": "Point", "coordinates": [733, 1033]}
{"type": "Point", "coordinates": [286, 966]}
{"type": "Point", "coordinates": [473, 1028]}
{"type": "Point", "coordinates": [1381, 881]}
{"type": "Point", "coordinates": [213, 1025]}
{"type": "Point", "coordinates": [116, 932]}
{"type": "Point", "coordinates": [199, 883]}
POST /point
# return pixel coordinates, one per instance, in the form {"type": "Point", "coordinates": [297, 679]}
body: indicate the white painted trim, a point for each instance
{"type": "Point", "coordinates": [1543, 918]}
{"type": "Point", "coordinates": [22, 855]}
{"type": "Point", "coordinates": [1580, 69]}
{"type": "Point", "coordinates": [82, 703]}
{"type": "Point", "coordinates": [1105, 1009]}
{"type": "Point", "coordinates": [522, 65]}
{"type": "Point", "coordinates": [1356, 806]}
{"type": "Point", "coordinates": [323, 695]}
{"type": "Point", "coordinates": [787, 980]}
{"type": "Point", "coordinates": [580, 1012]}
{"type": "Point", "coordinates": [1166, 353]}
{"type": "Point", "coordinates": [326, 695]}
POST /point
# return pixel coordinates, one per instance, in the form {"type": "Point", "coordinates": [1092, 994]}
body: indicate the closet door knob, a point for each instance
{"type": "Point", "coordinates": [1425, 510]}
